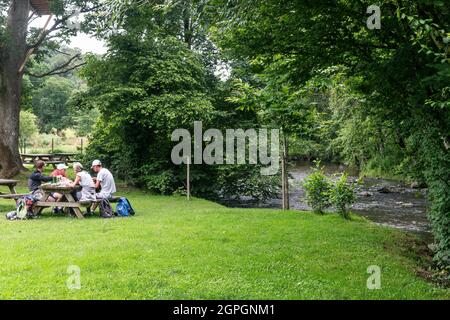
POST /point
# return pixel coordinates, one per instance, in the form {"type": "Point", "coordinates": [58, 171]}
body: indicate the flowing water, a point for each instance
{"type": "Point", "coordinates": [386, 202]}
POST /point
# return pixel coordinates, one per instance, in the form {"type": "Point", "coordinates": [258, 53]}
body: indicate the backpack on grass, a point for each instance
{"type": "Point", "coordinates": [21, 209]}
{"type": "Point", "coordinates": [24, 207]}
{"type": "Point", "coordinates": [11, 215]}
{"type": "Point", "coordinates": [106, 210]}
{"type": "Point", "coordinates": [124, 208]}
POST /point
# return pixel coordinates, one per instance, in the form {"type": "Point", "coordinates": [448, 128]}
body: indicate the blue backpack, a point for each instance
{"type": "Point", "coordinates": [124, 208]}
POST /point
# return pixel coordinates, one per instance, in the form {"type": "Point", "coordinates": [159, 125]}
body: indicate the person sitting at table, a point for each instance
{"type": "Point", "coordinates": [83, 179]}
{"type": "Point", "coordinates": [35, 181]}
{"type": "Point", "coordinates": [104, 180]}
{"type": "Point", "coordinates": [60, 171]}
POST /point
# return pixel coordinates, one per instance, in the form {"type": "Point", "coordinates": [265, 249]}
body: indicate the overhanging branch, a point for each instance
{"type": "Point", "coordinates": [61, 69]}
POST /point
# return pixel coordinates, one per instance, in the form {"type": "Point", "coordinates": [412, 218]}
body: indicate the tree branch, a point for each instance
{"type": "Point", "coordinates": [58, 72]}
{"type": "Point", "coordinates": [59, 24]}
{"type": "Point", "coordinates": [61, 69]}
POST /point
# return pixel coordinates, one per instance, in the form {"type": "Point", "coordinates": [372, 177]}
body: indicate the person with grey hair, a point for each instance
{"type": "Point", "coordinates": [83, 179]}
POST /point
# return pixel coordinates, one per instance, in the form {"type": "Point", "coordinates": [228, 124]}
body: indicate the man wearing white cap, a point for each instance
{"type": "Point", "coordinates": [104, 180]}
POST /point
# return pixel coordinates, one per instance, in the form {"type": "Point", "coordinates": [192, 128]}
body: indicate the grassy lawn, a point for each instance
{"type": "Point", "coordinates": [175, 249]}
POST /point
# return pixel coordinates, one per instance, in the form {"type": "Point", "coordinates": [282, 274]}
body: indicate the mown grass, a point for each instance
{"type": "Point", "coordinates": [175, 249]}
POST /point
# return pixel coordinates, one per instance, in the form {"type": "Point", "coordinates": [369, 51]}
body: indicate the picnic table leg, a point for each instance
{"type": "Point", "coordinates": [12, 189]}
{"type": "Point", "coordinates": [94, 207]}
{"type": "Point", "coordinates": [38, 210]}
{"type": "Point", "coordinates": [78, 212]}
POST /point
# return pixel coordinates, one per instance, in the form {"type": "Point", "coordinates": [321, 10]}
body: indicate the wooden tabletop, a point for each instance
{"type": "Point", "coordinates": [38, 155]}
{"type": "Point", "coordinates": [58, 188]}
{"type": "Point", "coordinates": [7, 182]}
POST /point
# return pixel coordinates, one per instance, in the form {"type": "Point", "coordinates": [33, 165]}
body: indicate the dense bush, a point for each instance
{"type": "Point", "coordinates": [434, 158]}
{"type": "Point", "coordinates": [322, 192]}
{"type": "Point", "coordinates": [317, 187]}
{"type": "Point", "coordinates": [342, 195]}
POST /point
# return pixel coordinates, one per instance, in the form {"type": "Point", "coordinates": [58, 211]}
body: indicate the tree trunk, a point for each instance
{"type": "Point", "coordinates": [12, 54]}
{"type": "Point", "coordinates": [187, 22]}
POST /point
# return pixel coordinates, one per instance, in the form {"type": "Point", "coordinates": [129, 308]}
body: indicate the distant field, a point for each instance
{"type": "Point", "coordinates": [42, 143]}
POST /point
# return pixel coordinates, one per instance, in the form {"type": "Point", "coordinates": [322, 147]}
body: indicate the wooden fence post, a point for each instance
{"type": "Point", "coordinates": [285, 174]}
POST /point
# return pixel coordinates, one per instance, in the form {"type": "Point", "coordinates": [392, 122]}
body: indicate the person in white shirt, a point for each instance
{"type": "Point", "coordinates": [84, 179]}
{"type": "Point", "coordinates": [104, 180]}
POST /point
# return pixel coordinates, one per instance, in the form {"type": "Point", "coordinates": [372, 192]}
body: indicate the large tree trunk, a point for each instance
{"type": "Point", "coordinates": [12, 54]}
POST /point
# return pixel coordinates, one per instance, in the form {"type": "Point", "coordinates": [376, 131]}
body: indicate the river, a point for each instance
{"type": "Point", "coordinates": [386, 202]}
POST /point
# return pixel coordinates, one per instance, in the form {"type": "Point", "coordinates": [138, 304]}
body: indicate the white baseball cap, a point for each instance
{"type": "Point", "coordinates": [62, 166]}
{"type": "Point", "coordinates": [96, 163]}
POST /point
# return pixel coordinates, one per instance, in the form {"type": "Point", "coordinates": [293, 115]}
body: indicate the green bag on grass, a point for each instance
{"type": "Point", "coordinates": [21, 209]}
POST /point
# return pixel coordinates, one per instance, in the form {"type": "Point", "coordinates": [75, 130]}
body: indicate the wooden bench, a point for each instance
{"type": "Point", "coordinates": [14, 196]}
{"type": "Point", "coordinates": [49, 158]}
{"type": "Point", "coordinates": [11, 184]}
{"type": "Point", "coordinates": [96, 203]}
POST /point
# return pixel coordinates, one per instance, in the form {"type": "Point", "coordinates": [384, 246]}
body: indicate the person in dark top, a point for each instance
{"type": "Point", "coordinates": [37, 178]}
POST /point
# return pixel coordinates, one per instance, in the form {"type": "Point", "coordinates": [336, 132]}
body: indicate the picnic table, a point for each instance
{"type": "Point", "coordinates": [11, 184]}
{"type": "Point", "coordinates": [67, 200]}
{"type": "Point", "coordinates": [49, 158]}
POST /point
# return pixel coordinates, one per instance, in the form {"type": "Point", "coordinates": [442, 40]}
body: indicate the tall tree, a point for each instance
{"type": "Point", "coordinates": [17, 42]}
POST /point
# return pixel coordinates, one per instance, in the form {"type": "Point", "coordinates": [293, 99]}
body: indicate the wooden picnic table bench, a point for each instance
{"type": "Point", "coordinates": [11, 184]}
{"type": "Point", "coordinates": [13, 196]}
{"type": "Point", "coordinates": [97, 202]}
{"type": "Point", "coordinates": [49, 158]}
{"type": "Point", "coordinates": [67, 201]}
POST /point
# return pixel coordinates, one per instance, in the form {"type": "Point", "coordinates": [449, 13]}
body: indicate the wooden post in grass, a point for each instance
{"type": "Point", "coordinates": [25, 145]}
{"type": "Point", "coordinates": [188, 178]}
{"type": "Point", "coordinates": [284, 174]}
{"type": "Point", "coordinates": [81, 146]}
{"type": "Point", "coordinates": [53, 145]}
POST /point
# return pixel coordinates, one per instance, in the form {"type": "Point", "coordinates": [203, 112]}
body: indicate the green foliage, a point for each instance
{"type": "Point", "coordinates": [28, 125]}
{"type": "Point", "coordinates": [342, 195]}
{"type": "Point", "coordinates": [50, 104]}
{"type": "Point", "coordinates": [435, 160]}
{"type": "Point", "coordinates": [322, 192]}
{"type": "Point", "coordinates": [156, 180]}
{"type": "Point", "coordinates": [317, 187]}
{"type": "Point", "coordinates": [144, 89]}
{"type": "Point", "coordinates": [85, 121]}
